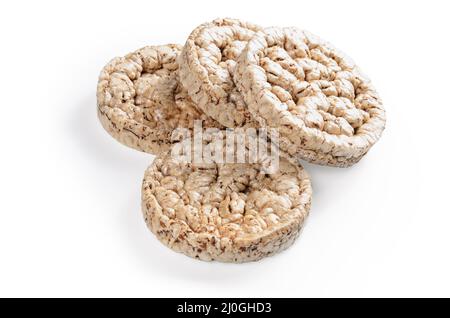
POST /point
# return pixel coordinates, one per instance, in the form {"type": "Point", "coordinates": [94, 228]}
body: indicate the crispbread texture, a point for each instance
{"type": "Point", "coordinates": [207, 65]}
{"type": "Point", "coordinates": [140, 100]}
{"type": "Point", "coordinates": [229, 212]}
{"type": "Point", "coordinates": [327, 112]}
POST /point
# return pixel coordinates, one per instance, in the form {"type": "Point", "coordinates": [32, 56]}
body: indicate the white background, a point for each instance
{"type": "Point", "coordinates": [70, 220]}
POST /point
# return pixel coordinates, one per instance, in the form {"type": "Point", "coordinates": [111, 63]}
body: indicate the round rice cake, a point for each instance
{"type": "Point", "coordinates": [229, 212]}
{"type": "Point", "coordinates": [140, 101]}
{"type": "Point", "coordinates": [207, 65]}
{"type": "Point", "coordinates": [326, 111]}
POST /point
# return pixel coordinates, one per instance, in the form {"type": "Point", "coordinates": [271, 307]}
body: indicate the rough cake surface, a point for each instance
{"type": "Point", "coordinates": [140, 100]}
{"type": "Point", "coordinates": [207, 65]}
{"type": "Point", "coordinates": [225, 212]}
{"type": "Point", "coordinates": [326, 111]}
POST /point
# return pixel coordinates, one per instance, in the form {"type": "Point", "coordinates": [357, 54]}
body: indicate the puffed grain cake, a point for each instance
{"type": "Point", "coordinates": [228, 212]}
{"type": "Point", "coordinates": [207, 65]}
{"type": "Point", "coordinates": [326, 111]}
{"type": "Point", "coordinates": [140, 100]}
